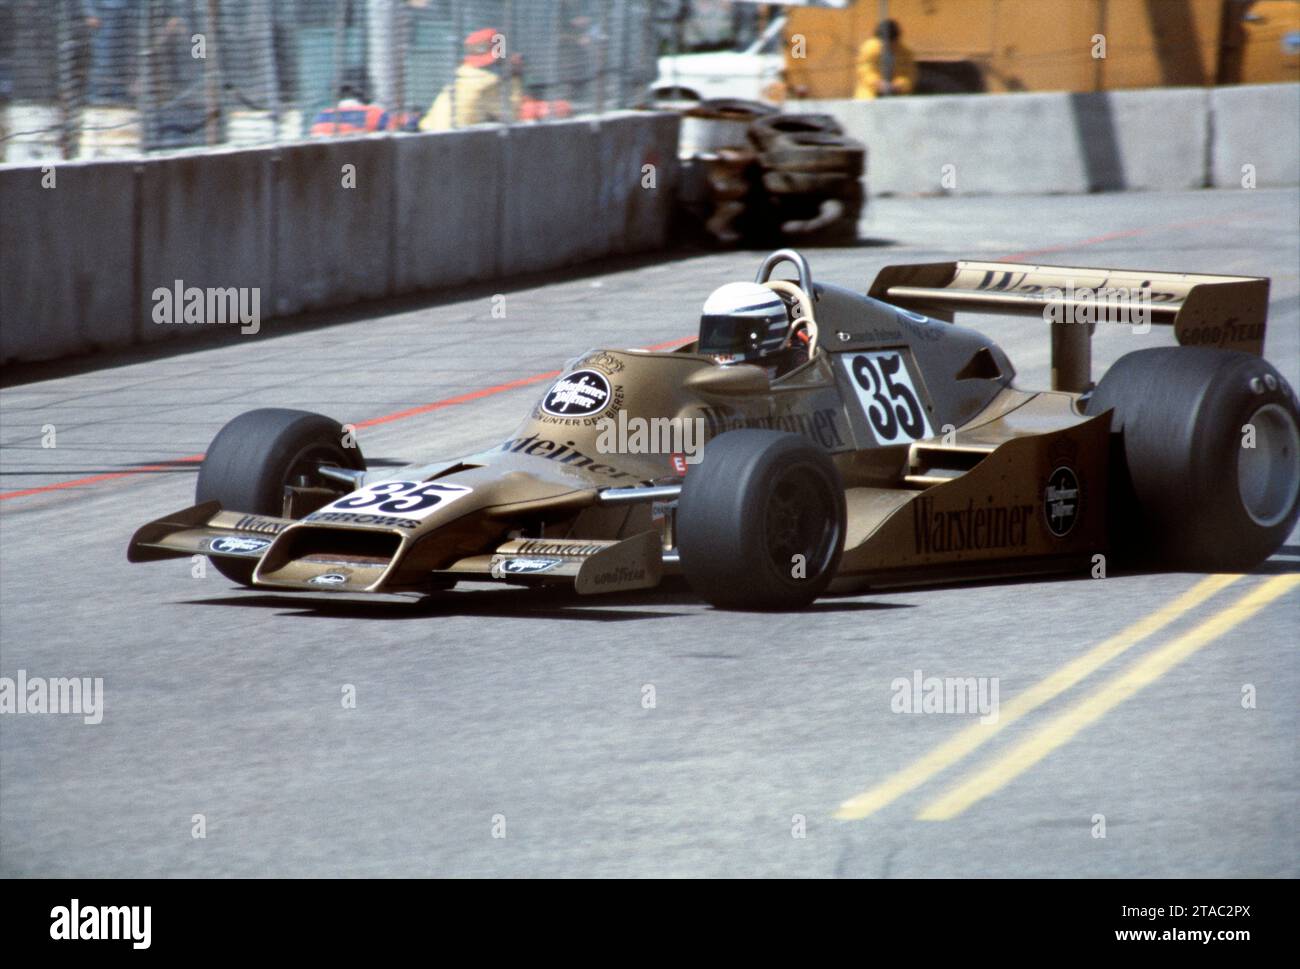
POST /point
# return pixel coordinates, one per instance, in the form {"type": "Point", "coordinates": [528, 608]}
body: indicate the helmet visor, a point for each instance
{"type": "Point", "coordinates": [738, 336]}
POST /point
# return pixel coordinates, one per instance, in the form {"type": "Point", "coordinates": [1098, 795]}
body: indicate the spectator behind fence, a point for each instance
{"type": "Point", "coordinates": [173, 112]}
{"type": "Point", "coordinates": [111, 24]}
{"type": "Point", "coordinates": [885, 64]}
{"type": "Point", "coordinates": [582, 52]}
{"type": "Point", "coordinates": [476, 91]}
{"type": "Point", "coordinates": [354, 114]}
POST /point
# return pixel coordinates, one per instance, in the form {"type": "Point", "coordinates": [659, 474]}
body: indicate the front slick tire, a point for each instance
{"type": "Point", "coordinates": [760, 522]}
{"type": "Point", "coordinates": [256, 455]}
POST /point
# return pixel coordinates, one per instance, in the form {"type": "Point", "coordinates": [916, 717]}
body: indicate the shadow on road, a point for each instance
{"type": "Point", "coordinates": [482, 604]}
{"type": "Point", "coordinates": [1285, 561]}
{"type": "Point", "coordinates": [509, 603]}
{"type": "Point", "coordinates": [558, 603]}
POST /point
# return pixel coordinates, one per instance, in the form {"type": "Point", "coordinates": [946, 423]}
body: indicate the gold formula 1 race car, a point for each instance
{"type": "Point", "coordinates": [877, 444]}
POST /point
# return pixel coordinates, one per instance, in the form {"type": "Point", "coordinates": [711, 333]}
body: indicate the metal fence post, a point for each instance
{"type": "Point", "coordinates": [146, 72]}
{"type": "Point", "coordinates": [620, 79]}
{"type": "Point", "coordinates": [339, 50]}
{"type": "Point", "coordinates": [553, 91]}
{"type": "Point", "coordinates": [401, 38]}
{"type": "Point", "coordinates": [457, 33]}
{"type": "Point", "coordinates": [72, 79]}
{"type": "Point", "coordinates": [507, 72]}
{"type": "Point", "coordinates": [380, 20]}
{"type": "Point", "coordinates": [267, 13]}
{"type": "Point", "coordinates": [212, 74]}
{"type": "Point", "coordinates": [602, 56]}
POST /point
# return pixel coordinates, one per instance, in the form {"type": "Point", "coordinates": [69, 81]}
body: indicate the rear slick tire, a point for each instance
{"type": "Point", "coordinates": [1206, 463]}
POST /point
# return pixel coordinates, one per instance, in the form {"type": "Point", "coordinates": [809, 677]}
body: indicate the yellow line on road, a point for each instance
{"type": "Point", "coordinates": [977, 734]}
{"type": "Point", "coordinates": [1060, 729]}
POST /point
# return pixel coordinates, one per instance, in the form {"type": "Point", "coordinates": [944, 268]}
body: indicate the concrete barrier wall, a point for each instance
{"type": "Point", "coordinates": [551, 214]}
{"type": "Point", "coordinates": [1257, 126]}
{"type": "Point", "coordinates": [1159, 139]}
{"type": "Point", "coordinates": [318, 224]}
{"type": "Point", "coordinates": [429, 200]}
{"type": "Point", "coordinates": [631, 195]}
{"type": "Point", "coordinates": [67, 265]}
{"type": "Point", "coordinates": [333, 223]}
{"type": "Point", "coordinates": [204, 220]}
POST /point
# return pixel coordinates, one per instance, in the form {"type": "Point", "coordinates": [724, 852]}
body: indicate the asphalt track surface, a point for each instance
{"type": "Point", "coordinates": [1119, 697]}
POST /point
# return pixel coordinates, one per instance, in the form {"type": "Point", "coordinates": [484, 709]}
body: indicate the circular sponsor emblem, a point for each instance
{"type": "Point", "coordinates": [577, 394]}
{"type": "Point", "coordinates": [528, 566]}
{"type": "Point", "coordinates": [329, 578]}
{"type": "Point", "coordinates": [236, 545]}
{"type": "Point", "coordinates": [1061, 501]}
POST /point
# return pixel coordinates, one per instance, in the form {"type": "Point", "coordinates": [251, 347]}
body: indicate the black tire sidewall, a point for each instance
{"type": "Point", "coordinates": [1180, 411]}
{"type": "Point", "coordinates": [247, 464]}
{"type": "Point", "coordinates": [721, 520]}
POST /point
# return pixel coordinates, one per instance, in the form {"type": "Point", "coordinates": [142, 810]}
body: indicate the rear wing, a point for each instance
{"type": "Point", "coordinates": [1228, 312]}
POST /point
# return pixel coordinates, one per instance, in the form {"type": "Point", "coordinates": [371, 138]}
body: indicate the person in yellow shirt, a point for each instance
{"type": "Point", "coordinates": [885, 64]}
{"type": "Point", "coordinates": [475, 92]}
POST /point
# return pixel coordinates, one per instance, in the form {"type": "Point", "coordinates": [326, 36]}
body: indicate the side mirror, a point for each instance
{"type": "Point", "coordinates": [734, 380]}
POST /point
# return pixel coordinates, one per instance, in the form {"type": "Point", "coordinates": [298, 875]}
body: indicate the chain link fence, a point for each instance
{"type": "Point", "coordinates": [112, 78]}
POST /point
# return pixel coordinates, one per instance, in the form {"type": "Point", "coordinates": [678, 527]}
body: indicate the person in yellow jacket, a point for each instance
{"type": "Point", "coordinates": [885, 64]}
{"type": "Point", "coordinates": [475, 93]}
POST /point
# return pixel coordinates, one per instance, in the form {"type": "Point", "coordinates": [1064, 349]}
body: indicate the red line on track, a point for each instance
{"type": "Point", "coordinates": [537, 378]}
{"type": "Point", "coordinates": [1095, 240]}
{"type": "Point", "coordinates": [462, 399]}
{"type": "Point", "coordinates": [385, 419]}
{"type": "Point", "coordinates": [95, 479]}
{"type": "Point", "coordinates": [1128, 234]}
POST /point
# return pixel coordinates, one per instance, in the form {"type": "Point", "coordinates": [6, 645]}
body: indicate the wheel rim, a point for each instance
{"type": "Point", "coordinates": [304, 468]}
{"type": "Point", "coordinates": [303, 472]}
{"type": "Point", "coordinates": [799, 520]}
{"type": "Point", "coordinates": [1268, 475]}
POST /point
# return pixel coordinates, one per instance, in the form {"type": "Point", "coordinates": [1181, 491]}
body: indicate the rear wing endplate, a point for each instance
{"type": "Point", "coordinates": [1228, 312]}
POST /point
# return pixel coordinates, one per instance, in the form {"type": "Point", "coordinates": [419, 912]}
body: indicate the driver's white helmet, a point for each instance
{"type": "Point", "coordinates": [743, 322]}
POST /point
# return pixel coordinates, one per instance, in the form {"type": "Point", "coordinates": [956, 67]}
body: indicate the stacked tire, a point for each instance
{"type": "Point", "coordinates": [807, 161]}
{"type": "Point", "coordinates": [720, 123]}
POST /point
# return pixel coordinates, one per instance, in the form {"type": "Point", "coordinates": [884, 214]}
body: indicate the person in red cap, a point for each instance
{"type": "Point", "coordinates": [475, 95]}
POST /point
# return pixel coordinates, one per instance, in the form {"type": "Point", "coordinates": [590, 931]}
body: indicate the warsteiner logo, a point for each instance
{"type": "Point", "coordinates": [819, 425]}
{"type": "Point", "coordinates": [969, 529]}
{"type": "Point", "coordinates": [254, 523]}
{"type": "Point", "coordinates": [566, 454]}
{"type": "Point", "coordinates": [535, 547]}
